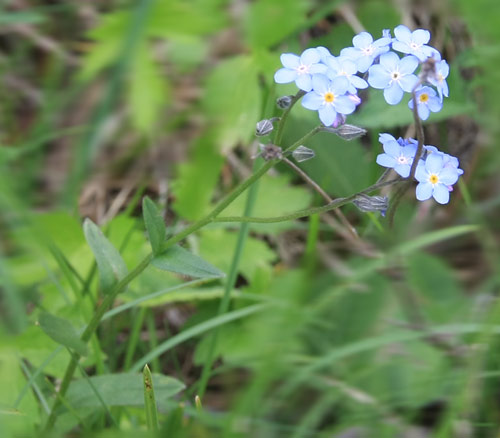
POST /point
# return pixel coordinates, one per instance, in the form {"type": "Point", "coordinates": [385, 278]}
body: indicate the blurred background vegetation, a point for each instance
{"type": "Point", "coordinates": [393, 333]}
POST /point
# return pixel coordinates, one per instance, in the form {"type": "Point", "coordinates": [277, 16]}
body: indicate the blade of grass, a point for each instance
{"type": "Point", "coordinates": [231, 281]}
{"type": "Point", "coordinates": [197, 330]}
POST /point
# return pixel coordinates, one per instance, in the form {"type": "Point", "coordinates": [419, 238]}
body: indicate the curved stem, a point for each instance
{"type": "Point", "coordinates": [120, 286]}
{"type": "Point", "coordinates": [339, 202]}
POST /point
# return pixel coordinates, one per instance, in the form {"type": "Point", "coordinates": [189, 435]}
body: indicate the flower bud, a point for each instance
{"type": "Point", "coordinates": [284, 102]}
{"type": "Point", "coordinates": [303, 154]}
{"type": "Point", "coordinates": [372, 203]}
{"type": "Point", "coordinates": [347, 132]}
{"type": "Point", "coordinates": [264, 127]}
{"type": "Point", "coordinates": [270, 152]}
{"type": "Point", "coordinates": [339, 120]}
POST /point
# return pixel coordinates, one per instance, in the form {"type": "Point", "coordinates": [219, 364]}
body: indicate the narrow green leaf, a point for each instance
{"type": "Point", "coordinates": [120, 390]}
{"type": "Point", "coordinates": [154, 224]}
{"type": "Point", "coordinates": [111, 266]}
{"type": "Point", "coordinates": [63, 332]}
{"type": "Point", "coordinates": [149, 400]}
{"type": "Point", "coordinates": [181, 261]}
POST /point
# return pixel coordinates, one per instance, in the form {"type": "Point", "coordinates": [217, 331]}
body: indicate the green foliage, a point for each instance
{"type": "Point", "coordinates": [111, 266]}
{"type": "Point", "coordinates": [231, 114]}
{"type": "Point", "coordinates": [192, 198]}
{"type": "Point", "coordinates": [268, 22]}
{"type": "Point", "coordinates": [120, 390]}
{"type": "Point", "coordinates": [181, 261]}
{"type": "Point", "coordinates": [321, 334]}
{"type": "Point", "coordinates": [61, 331]}
{"type": "Point", "coordinates": [155, 226]}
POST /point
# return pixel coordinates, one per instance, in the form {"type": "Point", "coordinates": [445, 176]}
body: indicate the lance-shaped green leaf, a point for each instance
{"type": "Point", "coordinates": [149, 400]}
{"type": "Point", "coordinates": [111, 266]}
{"type": "Point", "coordinates": [154, 224]}
{"type": "Point", "coordinates": [179, 260]}
{"type": "Point", "coordinates": [63, 332]}
{"type": "Point", "coordinates": [120, 390]}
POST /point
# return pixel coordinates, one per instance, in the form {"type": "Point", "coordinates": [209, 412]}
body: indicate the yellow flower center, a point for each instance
{"type": "Point", "coordinates": [329, 97]}
{"type": "Point", "coordinates": [433, 179]}
{"type": "Point", "coordinates": [424, 97]}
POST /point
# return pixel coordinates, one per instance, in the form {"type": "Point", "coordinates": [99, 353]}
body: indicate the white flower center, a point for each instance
{"type": "Point", "coordinates": [302, 69]}
{"type": "Point", "coordinates": [414, 46]}
{"type": "Point", "coordinates": [403, 160]}
{"type": "Point", "coordinates": [368, 51]}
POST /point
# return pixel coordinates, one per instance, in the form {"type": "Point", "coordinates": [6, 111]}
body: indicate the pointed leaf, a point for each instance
{"type": "Point", "coordinates": [154, 224]}
{"type": "Point", "coordinates": [181, 261]}
{"type": "Point", "coordinates": [120, 390]}
{"type": "Point", "coordinates": [63, 332]}
{"type": "Point", "coordinates": [111, 266]}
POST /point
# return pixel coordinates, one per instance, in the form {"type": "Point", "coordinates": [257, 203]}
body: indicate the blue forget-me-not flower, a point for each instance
{"type": "Point", "coordinates": [442, 69]}
{"type": "Point", "coordinates": [435, 179]}
{"type": "Point", "coordinates": [413, 43]}
{"type": "Point", "coordinates": [342, 66]}
{"type": "Point", "coordinates": [398, 154]}
{"type": "Point", "coordinates": [329, 98]}
{"type": "Point", "coordinates": [427, 101]}
{"type": "Point", "coordinates": [365, 50]}
{"type": "Point", "coordinates": [394, 76]}
{"type": "Point", "coordinates": [300, 68]}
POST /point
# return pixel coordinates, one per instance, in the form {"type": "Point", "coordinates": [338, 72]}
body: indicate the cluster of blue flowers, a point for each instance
{"type": "Point", "coordinates": [436, 171]}
{"type": "Point", "coordinates": [331, 82]}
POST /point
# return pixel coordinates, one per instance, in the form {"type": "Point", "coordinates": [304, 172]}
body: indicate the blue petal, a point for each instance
{"type": "Point", "coordinates": [407, 82]}
{"type": "Point", "coordinates": [389, 61]}
{"type": "Point", "coordinates": [384, 137]}
{"type": "Point", "coordinates": [409, 150]}
{"type": "Point", "coordinates": [318, 68]}
{"type": "Point", "coordinates": [284, 76]}
{"type": "Point", "coordinates": [449, 176]}
{"type": "Point", "coordinates": [435, 104]}
{"type": "Point", "coordinates": [434, 163]}
{"type": "Point", "coordinates": [392, 148]}
{"type": "Point", "coordinates": [358, 82]}
{"type": "Point", "coordinates": [364, 63]}
{"type": "Point", "coordinates": [320, 83]}
{"type": "Point", "coordinates": [403, 34]}
{"type": "Point", "coordinates": [340, 85]}
{"type": "Point", "coordinates": [403, 170]}
{"type": "Point", "coordinates": [421, 174]}
{"type": "Point", "coordinates": [290, 60]}
{"type": "Point", "coordinates": [378, 77]}
{"type": "Point", "coordinates": [423, 111]}
{"type": "Point", "coordinates": [304, 82]}
{"type": "Point", "coordinates": [312, 101]}
{"type": "Point", "coordinates": [424, 191]}
{"type": "Point", "coordinates": [401, 47]}
{"type": "Point", "coordinates": [351, 53]}
{"type": "Point", "coordinates": [344, 105]}
{"type": "Point", "coordinates": [441, 194]}
{"type": "Point", "coordinates": [310, 56]}
{"type": "Point", "coordinates": [421, 36]}
{"type": "Point", "coordinates": [393, 94]}
{"type": "Point", "coordinates": [408, 65]}
{"type": "Point", "coordinates": [386, 160]}
{"type": "Point", "coordinates": [361, 40]}
{"type": "Point", "coordinates": [327, 115]}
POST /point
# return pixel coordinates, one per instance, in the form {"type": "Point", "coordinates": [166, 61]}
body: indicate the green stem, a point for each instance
{"type": "Point", "coordinates": [120, 287]}
{"type": "Point", "coordinates": [279, 132]}
{"type": "Point", "coordinates": [339, 202]}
